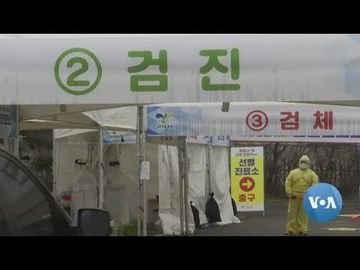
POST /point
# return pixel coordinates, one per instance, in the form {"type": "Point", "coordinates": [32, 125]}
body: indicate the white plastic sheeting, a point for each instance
{"type": "Point", "coordinates": [66, 151]}
{"type": "Point", "coordinates": [169, 207]}
{"type": "Point", "coordinates": [197, 177]}
{"type": "Point", "coordinates": [68, 176]}
{"type": "Point", "coordinates": [169, 192]}
{"type": "Point", "coordinates": [116, 189]}
{"type": "Point", "coordinates": [220, 183]}
{"type": "Point", "coordinates": [62, 133]}
{"type": "Point", "coordinates": [123, 179]}
{"type": "Point", "coordinates": [119, 118]}
{"type": "Point", "coordinates": [33, 117]}
{"type": "Point", "coordinates": [52, 111]}
{"type": "Point", "coordinates": [116, 201]}
{"type": "Point", "coordinates": [121, 182]}
{"type": "Point", "coordinates": [84, 193]}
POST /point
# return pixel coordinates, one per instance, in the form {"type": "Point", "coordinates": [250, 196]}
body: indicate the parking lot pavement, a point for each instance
{"type": "Point", "coordinates": [274, 220]}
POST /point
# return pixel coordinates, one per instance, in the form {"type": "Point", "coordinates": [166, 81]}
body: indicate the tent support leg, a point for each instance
{"type": "Point", "coordinates": [54, 169]}
{"type": "Point", "coordinates": [141, 152]}
{"type": "Point", "coordinates": [181, 185]}
{"type": "Point", "coordinates": [186, 186]}
{"type": "Point", "coordinates": [209, 155]}
{"type": "Point", "coordinates": [101, 171]}
{"type": "Point", "coordinates": [17, 139]}
{"type": "Point", "coordinates": [142, 148]}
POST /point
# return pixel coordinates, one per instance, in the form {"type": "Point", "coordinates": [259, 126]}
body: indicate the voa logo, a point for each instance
{"type": "Point", "coordinates": [322, 202]}
{"type": "Point", "coordinates": [329, 202]}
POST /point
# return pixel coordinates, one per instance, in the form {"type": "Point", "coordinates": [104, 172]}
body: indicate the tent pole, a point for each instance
{"type": "Point", "coordinates": [209, 168]}
{"type": "Point", "coordinates": [141, 194]}
{"type": "Point", "coordinates": [142, 155]}
{"type": "Point", "coordinates": [186, 186]}
{"type": "Point", "coordinates": [181, 188]}
{"type": "Point", "coordinates": [54, 165]}
{"type": "Point", "coordinates": [101, 172]}
{"type": "Point", "coordinates": [138, 176]}
{"type": "Point", "coordinates": [17, 141]}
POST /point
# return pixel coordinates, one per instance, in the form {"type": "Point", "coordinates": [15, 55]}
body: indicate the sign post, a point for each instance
{"type": "Point", "coordinates": [247, 178]}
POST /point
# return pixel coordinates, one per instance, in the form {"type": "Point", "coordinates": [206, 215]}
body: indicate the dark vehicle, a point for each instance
{"type": "Point", "coordinates": [27, 208]}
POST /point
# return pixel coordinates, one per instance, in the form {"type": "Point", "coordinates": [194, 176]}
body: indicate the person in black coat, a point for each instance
{"type": "Point", "coordinates": [196, 215]}
{"type": "Point", "coordinates": [212, 211]}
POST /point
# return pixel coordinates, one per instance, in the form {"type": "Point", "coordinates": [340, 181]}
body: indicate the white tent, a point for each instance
{"type": "Point", "coordinates": [60, 116]}
{"type": "Point", "coordinates": [121, 181]}
{"type": "Point", "coordinates": [35, 117]}
{"type": "Point", "coordinates": [124, 117]}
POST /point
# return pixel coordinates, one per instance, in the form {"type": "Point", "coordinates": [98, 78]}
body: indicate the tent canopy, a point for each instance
{"type": "Point", "coordinates": [77, 117]}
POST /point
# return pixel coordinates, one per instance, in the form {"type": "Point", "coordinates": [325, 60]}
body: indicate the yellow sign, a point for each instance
{"type": "Point", "coordinates": [247, 178]}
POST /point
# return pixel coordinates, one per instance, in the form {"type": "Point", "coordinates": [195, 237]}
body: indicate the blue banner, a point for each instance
{"type": "Point", "coordinates": [181, 121]}
{"type": "Point", "coordinates": [118, 137]}
{"type": "Point", "coordinates": [173, 121]}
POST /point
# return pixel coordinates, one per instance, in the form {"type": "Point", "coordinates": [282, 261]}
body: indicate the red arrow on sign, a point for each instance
{"type": "Point", "coordinates": [247, 184]}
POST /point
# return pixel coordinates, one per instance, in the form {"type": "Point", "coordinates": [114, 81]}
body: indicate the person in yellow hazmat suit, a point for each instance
{"type": "Point", "coordinates": [296, 184]}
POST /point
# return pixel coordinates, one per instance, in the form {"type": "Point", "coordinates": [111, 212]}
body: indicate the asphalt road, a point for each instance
{"type": "Point", "coordinates": [273, 223]}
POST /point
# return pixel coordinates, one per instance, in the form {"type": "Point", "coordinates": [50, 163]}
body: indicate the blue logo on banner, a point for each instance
{"type": "Point", "coordinates": [322, 202]}
{"type": "Point", "coordinates": [173, 121]}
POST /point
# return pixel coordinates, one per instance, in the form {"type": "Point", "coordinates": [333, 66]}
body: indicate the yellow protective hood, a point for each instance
{"type": "Point", "coordinates": [306, 159]}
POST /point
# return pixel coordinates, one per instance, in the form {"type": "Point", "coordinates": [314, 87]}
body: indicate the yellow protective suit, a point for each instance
{"type": "Point", "coordinates": [296, 184]}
